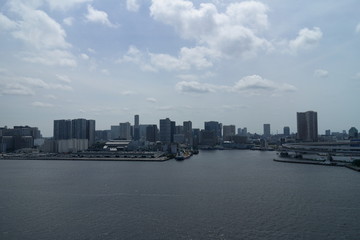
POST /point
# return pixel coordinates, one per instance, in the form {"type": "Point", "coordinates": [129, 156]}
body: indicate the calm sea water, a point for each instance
{"type": "Point", "coordinates": [214, 195]}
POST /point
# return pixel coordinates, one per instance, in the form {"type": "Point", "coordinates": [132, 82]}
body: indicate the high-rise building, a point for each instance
{"type": "Point", "coordinates": [136, 128]}
{"type": "Point", "coordinates": [215, 127]}
{"type": "Point", "coordinates": [62, 129]}
{"type": "Point", "coordinates": [75, 129]}
{"type": "Point", "coordinates": [228, 132]}
{"type": "Point", "coordinates": [125, 131]}
{"type": "Point", "coordinates": [307, 126]}
{"type": "Point", "coordinates": [267, 132]}
{"type": "Point", "coordinates": [165, 130]}
{"type": "Point", "coordinates": [353, 133]}
{"type": "Point", "coordinates": [287, 131]}
{"type": "Point", "coordinates": [151, 133]}
{"type": "Point", "coordinates": [188, 132]}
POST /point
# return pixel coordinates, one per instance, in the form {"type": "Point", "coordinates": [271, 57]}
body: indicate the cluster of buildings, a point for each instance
{"type": "Point", "coordinates": [80, 134]}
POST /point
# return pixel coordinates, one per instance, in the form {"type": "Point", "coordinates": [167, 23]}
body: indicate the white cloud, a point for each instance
{"type": "Point", "coordinates": [98, 16]}
{"type": "Point", "coordinates": [16, 89]}
{"type": "Point", "coordinates": [42, 104]}
{"type": "Point", "coordinates": [127, 93]}
{"type": "Point", "coordinates": [68, 21]}
{"type": "Point", "coordinates": [306, 39]}
{"type": "Point", "coordinates": [6, 23]}
{"type": "Point", "coordinates": [256, 83]}
{"type": "Point", "coordinates": [321, 73]}
{"type": "Point", "coordinates": [134, 55]}
{"type": "Point", "coordinates": [42, 35]}
{"type": "Point", "coordinates": [42, 84]}
{"type": "Point", "coordinates": [357, 29]}
{"type": "Point", "coordinates": [63, 78]}
{"type": "Point", "coordinates": [236, 32]}
{"type": "Point", "coordinates": [253, 85]}
{"type": "Point", "coordinates": [152, 100]}
{"type": "Point", "coordinates": [194, 87]}
{"type": "Point", "coordinates": [84, 56]}
{"type": "Point", "coordinates": [132, 5]}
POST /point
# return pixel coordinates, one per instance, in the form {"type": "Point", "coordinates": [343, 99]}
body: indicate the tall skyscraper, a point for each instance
{"type": "Point", "coordinates": [125, 131]}
{"type": "Point", "coordinates": [287, 131]}
{"type": "Point", "coordinates": [228, 132]}
{"type": "Point", "coordinates": [267, 132]}
{"type": "Point", "coordinates": [188, 132]}
{"type": "Point", "coordinates": [76, 128]}
{"type": "Point", "coordinates": [215, 127]}
{"type": "Point", "coordinates": [151, 133]}
{"type": "Point", "coordinates": [136, 128]}
{"type": "Point", "coordinates": [165, 130]}
{"type": "Point", "coordinates": [307, 126]}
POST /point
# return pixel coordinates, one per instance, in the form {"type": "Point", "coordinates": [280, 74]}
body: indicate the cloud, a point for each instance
{"type": "Point", "coordinates": [63, 78]}
{"type": "Point", "coordinates": [256, 83]}
{"type": "Point", "coordinates": [135, 56]}
{"type": "Point", "coordinates": [42, 104]}
{"type": "Point", "coordinates": [235, 32]}
{"type": "Point", "coordinates": [321, 73]}
{"type": "Point", "coordinates": [152, 100]}
{"type": "Point", "coordinates": [194, 87]}
{"type": "Point", "coordinates": [35, 82]}
{"type": "Point", "coordinates": [253, 85]}
{"type": "Point", "coordinates": [6, 23]}
{"type": "Point", "coordinates": [97, 16]}
{"type": "Point", "coordinates": [68, 21]}
{"type": "Point", "coordinates": [357, 29]}
{"type": "Point", "coordinates": [132, 5]}
{"type": "Point", "coordinates": [84, 56]}
{"type": "Point", "coordinates": [127, 93]}
{"type": "Point", "coordinates": [306, 39]}
{"type": "Point", "coordinates": [16, 89]}
{"type": "Point", "coordinates": [44, 38]}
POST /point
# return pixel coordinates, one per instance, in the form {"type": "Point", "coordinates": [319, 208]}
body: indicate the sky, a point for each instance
{"type": "Point", "coordinates": [237, 62]}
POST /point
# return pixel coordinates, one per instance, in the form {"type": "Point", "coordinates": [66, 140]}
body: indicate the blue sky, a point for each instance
{"type": "Point", "coordinates": [237, 62]}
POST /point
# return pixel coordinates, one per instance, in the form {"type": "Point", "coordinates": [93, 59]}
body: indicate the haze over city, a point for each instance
{"type": "Point", "coordinates": [237, 62]}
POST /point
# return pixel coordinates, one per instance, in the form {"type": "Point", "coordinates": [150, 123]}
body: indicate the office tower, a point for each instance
{"type": "Point", "coordinates": [244, 131]}
{"type": "Point", "coordinates": [196, 137]}
{"type": "Point", "coordinates": [136, 128]}
{"type": "Point", "coordinates": [125, 131]}
{"type": "Point", "coordinates": [287, 131]}
{"type": "Point", "coordinates": [90, 131]}
{"type": "Point", "coordinates": [188, 132]}
{"type": "Point", "coordinates": [173, 130]}
{"type": "Point", "coordinates": [115, 131]}
{"type": "Point", "coordinates": [62, 129]}
{"type": "Point", "coordinates": [307, 127]}
{"type": "Point", "coordinates": [327, 132]}
{"type": "Point", "coordinates": [267, 130]}
{"type": "Point", "coordinates": [228, 132]}
{"type": "Point", "coordinates": [215, 127]}
{"type": "Point", "coordinates": [165, 130]}
{"type": "Point", "coordinates": [79, 128]}
{"type": "Point", "coordinates": [151, 133]}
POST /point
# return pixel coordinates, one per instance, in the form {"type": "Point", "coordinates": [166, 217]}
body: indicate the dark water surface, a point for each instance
{"type": "Point", "coordinates": [214, 195]}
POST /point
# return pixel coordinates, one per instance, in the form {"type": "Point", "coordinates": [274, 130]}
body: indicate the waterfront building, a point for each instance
{"type": "Point", "coordinates": [136, 128]}
{"type": "Point", "coordinates": [267, 132]}
{"type": "Point", "coordinates": [62, 129]}
{"type": "Point", "coordinates": [166, 130]}
{"type": "Point", "coordinates": [79, 128]}
{"type": "Point", "coordinates": [17, 138]}
{"type": "Point", "coordinates": [208, 138]}
{"type": "Point", "coordinates": [90, 131]}
{"type": "Point", "coordinates": [179, 138]}
{"type": "Point", "coordinates": [115, 132]}
{"type": "Point", "coordinates": [125, 131]}
{"type": "Point", "coordinates": [287, 131]}
{"type": "Point", "coordinates": [353, 133]}
{"type": "Point", "coordinates": [195, 137]}
{"type": "Point", "coordinates": [228, 132]}
{"type": "Point", "coordinates": [151, 133]}
{"type": "Point", "coordinates": [307, 126]}
{"type": "Point", "coordinates": [188, 132]}
{"type": "Point", "coordinates": [215, 127]}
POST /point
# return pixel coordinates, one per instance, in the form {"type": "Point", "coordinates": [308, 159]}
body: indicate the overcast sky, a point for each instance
{"type": "Point", "coordinates": [237, 62]}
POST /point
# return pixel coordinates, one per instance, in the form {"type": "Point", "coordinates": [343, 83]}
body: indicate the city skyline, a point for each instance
{"type": "Point", "coordinates": [242, 63]}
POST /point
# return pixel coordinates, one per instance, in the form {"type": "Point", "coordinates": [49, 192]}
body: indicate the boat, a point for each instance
{"type": "Point", "coordinates": [182, 155]}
